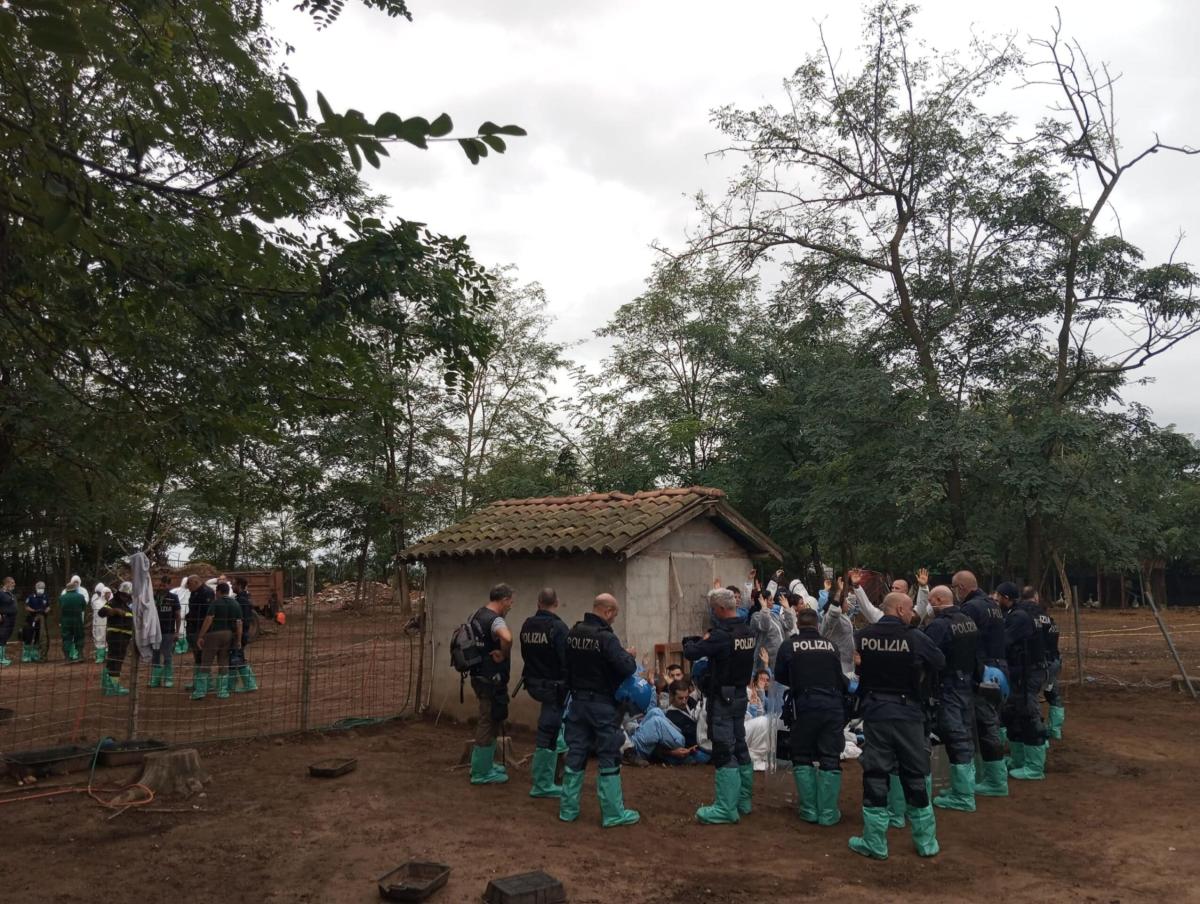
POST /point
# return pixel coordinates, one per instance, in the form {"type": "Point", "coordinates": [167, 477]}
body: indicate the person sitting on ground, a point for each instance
{"type": "Point", "coordinates": [118, 616]}
{"type": "Point", "coordinates": [681, 714]}
{"type": "Point", "coordinates": [673, 673]}
{"type": "Point", "coordinates": [758, 719]}
{"type": "Point", "coordinates": [71, 606]}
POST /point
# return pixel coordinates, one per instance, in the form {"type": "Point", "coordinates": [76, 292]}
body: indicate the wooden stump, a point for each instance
{"type": "Point", "coordinates": [172, 773]}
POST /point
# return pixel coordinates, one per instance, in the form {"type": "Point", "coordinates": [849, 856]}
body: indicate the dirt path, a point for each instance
{"type": "Point", "coordinates": [1114, 821]}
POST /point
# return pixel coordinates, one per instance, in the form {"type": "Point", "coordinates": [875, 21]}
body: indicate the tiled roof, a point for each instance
{"type": "Point", "coordinates": [603, 523]}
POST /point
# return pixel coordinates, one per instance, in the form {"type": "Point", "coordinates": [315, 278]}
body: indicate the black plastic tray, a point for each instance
{"type": "Point", "coordinates": [130, 753]}
{"type": "Point", "coordinates": [525, 888]}
{"type": "Point", "coordinates": [53, 760]}
{"type": "Point", "coordinates": [413, 881]}
{"type": "Point", "coordinates": [332, 768]}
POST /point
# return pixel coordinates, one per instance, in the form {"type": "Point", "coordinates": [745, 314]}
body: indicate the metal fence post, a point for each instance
{"type": "Point", "coordinates": [1078, 640]}
{"type": "Point", "coordinates": [306, 674]}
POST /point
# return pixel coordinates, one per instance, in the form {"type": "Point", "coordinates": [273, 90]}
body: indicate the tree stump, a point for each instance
{"type": "Point", "coordinates": [172, 773]}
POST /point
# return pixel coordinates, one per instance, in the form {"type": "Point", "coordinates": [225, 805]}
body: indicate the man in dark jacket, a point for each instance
{"type": "Point", "coordinates": [8, 618]}
{"type": "Point", "coordinates": [894, 658]}
{"type": "Point", "coordinates": [1026, 654]}
{"type": "Point", "coordinates": [239, 668]}
{"type": "Point", "coordinates": [489, 681]}
{"type": "Point", "coordinates": [596, 666]}
{"type": "Point", "coordinates": [544, 651]}
{"type": "Point", "coordinates": [809, 665]}
{"type": "Point", "coordinates": [200, 600]}
{"type": "Point", "coordinates": [729, 649]}
{"type": "Point", "coordinates": [34, 634]}
{"type": "Point", "coordinates": [990, 621]}
{"type": "Point", "coordinates": [957, 636]}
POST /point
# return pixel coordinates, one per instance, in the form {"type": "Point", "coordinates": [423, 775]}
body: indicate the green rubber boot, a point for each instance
{"type": "Point", "coordinates": [561, 745]}
{"type": "Point", "coordinates": [181, 645]}
{"type": "Point", "coordinates": [73, 656]}
{"type": "Point", "coordinates": [223, 686]}
{"type": "Point", "coordinates": [200, 690]}
{"type": "Point", "coordinates": [1003, 736]}
{"type": "Point", "coordinates": [483, 766]}
{"type": "Point", "coordinates": [995, 780]}
{"type": "Point", "coordinates": [829, 789]}
{"type": "Point", "coordinates": [249, 682]}
{"type": "Point", "coordinates": [572, 790]}
{"type": "Point", "coordinates": [873, 841]}
{"type": "Point", "coordinates": [26, 653]}
{"type": "Point", "coordinates": [1058, 715]}
{"type": "Point", "coordinates": [806, 792]}
{"type": "Point", "coordinates": [724, 809]}
{"type": "Point", "coordinates": [105, 683]}
{"type": "Point", "coordinates": [1016, 757]}
{"type": "Point", "coordinates": [101, 652]}
{"type": "Point", "coordinates": [168, 676]}
{"type": "Point", "coordinates": [545, 761]}
{"type": "Point", "coordinates": [156, 675]}
{"type": "Point", "coordinates": [612, 802]}
{"type": "Point", "coordinates": [112, 686]}
{"type": "Point", "coordinates": [5, 662]}
{"type": "Point", "coordinates": [895, 803]}
{"type": "Point", "coordinates": [961, 793]}
{"type": "Point", "coordinates": [924, 830]}
{"type": "Point", "coordinates": [1034, 769]}
{"type": "Point", "coordinates": [746, 792]}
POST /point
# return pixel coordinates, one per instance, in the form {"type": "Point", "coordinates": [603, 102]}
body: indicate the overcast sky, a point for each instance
{"type": "Point", "coordinates": [616, 98]}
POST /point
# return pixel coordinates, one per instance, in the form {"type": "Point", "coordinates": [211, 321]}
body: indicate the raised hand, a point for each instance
{"type": "Point", "coordinates": [923, 577]}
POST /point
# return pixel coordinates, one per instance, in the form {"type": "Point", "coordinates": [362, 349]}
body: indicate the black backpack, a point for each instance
{"type": "Point", "coordinates": [466, 647]}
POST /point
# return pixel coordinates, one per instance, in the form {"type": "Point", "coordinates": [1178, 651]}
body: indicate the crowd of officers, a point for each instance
{"type": "Point", "coordinates": [971, 676]}
{"type": "Point", "coordinates": [210, 619]}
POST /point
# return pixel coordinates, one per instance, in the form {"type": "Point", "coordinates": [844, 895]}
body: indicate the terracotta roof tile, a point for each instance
{"type": "Point", "coordinates": [604, 523]}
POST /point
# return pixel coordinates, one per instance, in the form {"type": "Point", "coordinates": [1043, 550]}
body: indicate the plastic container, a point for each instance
{"type": "Point", "coordinates": [332, 768]}
{"type": "Point", "coordinates": [526, 888]}
{"type": "Point", "coordinates": [129, 753]}
{"type": "Point", "coordinates": [53, 760]}
{"type": "Point", "coordinates": [413, 881]}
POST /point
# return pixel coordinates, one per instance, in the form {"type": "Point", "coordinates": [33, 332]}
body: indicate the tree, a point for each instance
{"type": "Point", "coordinates": [672, 358]}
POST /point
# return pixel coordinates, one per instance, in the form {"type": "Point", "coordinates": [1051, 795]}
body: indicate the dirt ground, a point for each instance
{"type": "Point", "coordinates": [1114, 821]}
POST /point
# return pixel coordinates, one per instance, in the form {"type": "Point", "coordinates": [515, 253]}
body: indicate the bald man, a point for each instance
{"type": "Point", "coordinates": [957, 636]}
{"type": "Point", "coordinates": [893, 656]}
{"type": "Point", "coordinates": [596, 667]}
{"type": "Point", "coordinates": [990, 621]}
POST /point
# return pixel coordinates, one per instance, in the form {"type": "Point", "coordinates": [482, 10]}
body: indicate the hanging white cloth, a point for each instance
{"type": "Point", "coordinates": [145, 617]}
{"type": "Point", "coordinates": [183, 595]}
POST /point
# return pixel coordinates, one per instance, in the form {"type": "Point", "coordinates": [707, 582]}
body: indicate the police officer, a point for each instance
{"type": "Point", "coordinates": [596, 667]}
{"type": "Point", "coordinates": [1057, 715]}
{"type": "Point", "coordinates": [812, 670]}
{"type": "Point", "coordinates": [729, 648]}
{"type": "Point", "coordinates": [489, 681]}
{"type": "Point", "coordinates": [1026, 654]}
{"type": "Point", "coordinates": [990, 621]}
{"type": "Point", "coordinates": [544, 650]}
{"type": "Point", "coordinates": [894, 658]}
{"type": "Point", "coordinates": [957, 636]}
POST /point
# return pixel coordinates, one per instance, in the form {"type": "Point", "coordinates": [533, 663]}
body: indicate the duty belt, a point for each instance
{"type": "Point", "coordinates": [894, 697]}
{"type": "Point", "coordinates": [593, 695]}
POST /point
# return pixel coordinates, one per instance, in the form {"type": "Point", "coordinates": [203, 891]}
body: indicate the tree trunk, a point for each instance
{"type": "Point", "coordinates": [172, 773]}
{"type": "Point", "coordinates": [235, 545]}
{"type": "Point", "coordinates": [1033, 552]}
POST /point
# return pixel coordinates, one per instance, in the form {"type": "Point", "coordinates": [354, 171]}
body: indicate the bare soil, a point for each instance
{"type": "Point", "coordinates": [1114, 821]}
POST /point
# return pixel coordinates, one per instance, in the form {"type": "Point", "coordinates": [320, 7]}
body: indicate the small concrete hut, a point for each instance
{"type": "Point", "coordinates": [658, 552]}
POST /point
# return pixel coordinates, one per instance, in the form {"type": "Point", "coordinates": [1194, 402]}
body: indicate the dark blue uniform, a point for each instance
{"type": "Point", "coordinates": [957, 636]}
{"type": "Point", "coordinates": [989, 619]}
{"type": "Point", "coordinates": [1027, 674]}
{"type": "Point", "coordinates": [544, 650]}
{"type": "Point", "coordinates": [489, 680]}
{"type": "Point", "coordinates": [729, 649]}
{"type": "Point", "coordinates": [894, 657]}
{"type": "Point", "coordinates": [596, 664]}
{"type": "Point", "coordinates": [809, 666]}
{"type": "Point", "coordinates": [1049, 630]}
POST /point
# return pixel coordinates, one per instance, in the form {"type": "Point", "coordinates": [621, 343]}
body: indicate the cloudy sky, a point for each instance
{"type": "Point", "coordinates": [616, 98]}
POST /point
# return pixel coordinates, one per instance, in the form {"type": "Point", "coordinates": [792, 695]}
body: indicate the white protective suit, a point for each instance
{"type": "Point", "coordinates": [100, 598]}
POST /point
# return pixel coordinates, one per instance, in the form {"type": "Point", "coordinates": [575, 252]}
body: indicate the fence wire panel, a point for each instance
{"type": "Point", "coordinates": [360, 659]}
{"type": "Point", "coordinates": [1126, 648]}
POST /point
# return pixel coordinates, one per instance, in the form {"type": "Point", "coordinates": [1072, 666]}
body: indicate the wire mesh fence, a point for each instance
{"type": "Point", "coordinates": [1126, 647]}
{"type": "Point", "coordinates": [333, 662]}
